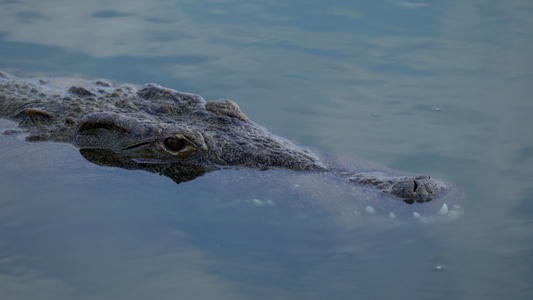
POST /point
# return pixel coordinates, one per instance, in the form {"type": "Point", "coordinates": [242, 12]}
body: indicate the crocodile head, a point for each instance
{"type": "Point", "coordinates": [182, 136]}
{"type": "Point", "coordinates": [161, 125]}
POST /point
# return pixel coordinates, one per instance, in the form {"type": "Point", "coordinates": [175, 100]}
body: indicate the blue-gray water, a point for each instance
{"type": "Point", "coordinates": [437, 87]}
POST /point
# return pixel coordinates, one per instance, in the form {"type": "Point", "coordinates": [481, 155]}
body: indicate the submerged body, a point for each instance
{"type": "Point", "coordinates": [182, 136]}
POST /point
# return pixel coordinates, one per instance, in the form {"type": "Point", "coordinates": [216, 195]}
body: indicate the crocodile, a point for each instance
{"type": "Point", "coordinates": [181, 135]}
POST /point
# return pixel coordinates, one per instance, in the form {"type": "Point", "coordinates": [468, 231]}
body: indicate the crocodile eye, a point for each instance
{"type": "Point", "coordinates": [174, 144]}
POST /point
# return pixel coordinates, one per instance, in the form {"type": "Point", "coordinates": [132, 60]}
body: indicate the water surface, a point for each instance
{"type": "Point", "coordinates": [439, 88]}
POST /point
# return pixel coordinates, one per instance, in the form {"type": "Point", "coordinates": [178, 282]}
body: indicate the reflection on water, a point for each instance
{"type": "Point", "coordinates": [359, 79]}
{"type": "Point", "coordinates": [74, 230]}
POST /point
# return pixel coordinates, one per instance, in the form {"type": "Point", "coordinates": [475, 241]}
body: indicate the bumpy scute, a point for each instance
{"type": "Point", "coordinates": [173, 133]}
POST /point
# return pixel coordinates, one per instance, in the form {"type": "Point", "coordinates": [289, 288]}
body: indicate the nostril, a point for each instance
{"type": "Point", "coordinates": [415, 186]}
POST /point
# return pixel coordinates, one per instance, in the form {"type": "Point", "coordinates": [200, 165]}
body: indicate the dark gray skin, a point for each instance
{"type": "Point", "coordinates": [176, 134]}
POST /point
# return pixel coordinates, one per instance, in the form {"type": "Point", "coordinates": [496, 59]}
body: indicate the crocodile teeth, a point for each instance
{"type": "Point", "coordinates": [370, 210]}
{"type": "Point", "coordinates": [443, 210]}
{"type": "Point", "coordinates": [416, 215]}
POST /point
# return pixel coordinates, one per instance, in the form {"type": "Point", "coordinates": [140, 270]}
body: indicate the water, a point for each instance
{"type": "Point", "coordinates": [439, 88]}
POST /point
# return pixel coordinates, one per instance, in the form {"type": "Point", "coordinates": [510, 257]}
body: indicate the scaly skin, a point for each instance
{"type": "Point", "coordinates": [176, 134]}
